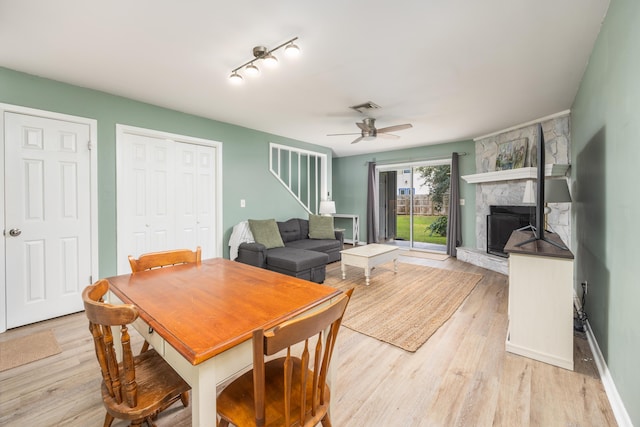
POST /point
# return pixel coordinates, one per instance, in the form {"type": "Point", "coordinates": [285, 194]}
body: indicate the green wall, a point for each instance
{"type": "Point", "coordinates": [350, 181]}
{"type": "Point", "coordinates": [245, 152]}
{"type": "Point", "coordinates": [605, 156]}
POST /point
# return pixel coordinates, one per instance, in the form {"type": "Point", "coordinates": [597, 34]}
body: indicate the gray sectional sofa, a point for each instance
{"type": "Point", "coordinates": [301, 256]}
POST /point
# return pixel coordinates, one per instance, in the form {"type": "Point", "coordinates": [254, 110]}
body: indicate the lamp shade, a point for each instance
{"type": "Point", "coordinates": [556, 191]}
{"type": "Point", "coordinates": [270, 60]}
{"type": "Point", "coordinates": [235, 78]}
{"type": "Point", "coordinates": [327, 207]}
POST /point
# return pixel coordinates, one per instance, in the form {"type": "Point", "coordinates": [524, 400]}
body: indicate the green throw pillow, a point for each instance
{"type": "Point", "coordinates": [265, 231]}
{"type": "Point", "coordinates": [321, 227]}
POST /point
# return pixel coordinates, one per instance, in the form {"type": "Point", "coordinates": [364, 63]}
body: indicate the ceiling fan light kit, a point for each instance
{"type": "Point", "coordinates": [267, 57]}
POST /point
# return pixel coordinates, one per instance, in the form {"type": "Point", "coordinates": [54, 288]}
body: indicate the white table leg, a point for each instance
{"type": "Point", "coordinates": [203, 412]}
{"type": "Point", "coordinates": [395, 265]}
{"type": "Point", "coordinates": [343, 267]}
{"type": "Point", "coordinates": [203, 379]}
{"type": "Point", "coordinates": [367, 274]}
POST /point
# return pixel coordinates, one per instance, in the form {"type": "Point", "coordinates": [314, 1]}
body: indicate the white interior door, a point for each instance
{"type": "Point", "coordinates": [48, 216]}
{"type": "Point", "coordinates": [145, 195]}
{"type": "Point", "coordinates": [169, 194]}
{"type": "Point", "coordinates": [195, 198]}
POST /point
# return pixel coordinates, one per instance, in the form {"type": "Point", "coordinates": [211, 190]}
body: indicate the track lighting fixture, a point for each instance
{"type": "Point", "coordinates": [262, 53]}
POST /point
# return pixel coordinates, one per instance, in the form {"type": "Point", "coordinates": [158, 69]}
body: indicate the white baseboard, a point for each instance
{"type": "Point", "coordinates": [619, 411]}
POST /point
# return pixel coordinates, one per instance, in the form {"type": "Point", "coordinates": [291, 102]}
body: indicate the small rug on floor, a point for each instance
{"type": "Point", "coordinates": [426, 255]}
{"type": "Point", "coordinates": [403, 309]}
{"type": "Point", "coordinates": [23, 350]}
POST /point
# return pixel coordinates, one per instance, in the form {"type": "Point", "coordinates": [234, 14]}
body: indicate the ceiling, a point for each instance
{"type": "Point", "coordinates": [455, 69]}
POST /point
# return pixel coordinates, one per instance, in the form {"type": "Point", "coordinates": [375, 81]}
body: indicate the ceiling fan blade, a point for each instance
{"type": "Point", "coordinates": [341, 134]}
{"type": "Point", "coordinates": [395, 128]}
{"type": "Point", "coordinates": [387, 135]}
{"type": "Point", "coordinates": [357, 140]}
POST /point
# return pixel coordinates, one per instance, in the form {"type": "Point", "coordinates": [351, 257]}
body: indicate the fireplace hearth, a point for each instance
{"type": "Point", "coordinates": [502, 221]}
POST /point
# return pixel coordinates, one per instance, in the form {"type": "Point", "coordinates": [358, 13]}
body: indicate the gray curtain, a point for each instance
{"type": "Point", "coordinates": [454, 228]}
{"type": "Point", "coordinates": [372, 204]}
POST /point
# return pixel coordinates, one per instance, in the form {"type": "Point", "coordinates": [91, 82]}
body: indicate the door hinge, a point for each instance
{"type": "Point", "coordinates": [90, 279]}
{"type": "Point", "coordinates": [89, 146]}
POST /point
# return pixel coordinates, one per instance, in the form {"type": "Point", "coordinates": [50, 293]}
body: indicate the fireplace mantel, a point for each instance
{"type": "Point", "coordinates": [551, 170]}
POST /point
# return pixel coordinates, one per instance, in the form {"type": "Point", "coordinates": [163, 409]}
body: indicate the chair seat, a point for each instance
{"type": "Point", "coordinates": [158, 387]}
{"type": "Point", "coordinates": [236, 404]}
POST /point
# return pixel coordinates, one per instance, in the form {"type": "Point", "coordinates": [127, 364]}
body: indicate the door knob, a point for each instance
{"type": "Point", "coordinates": [15, 232]}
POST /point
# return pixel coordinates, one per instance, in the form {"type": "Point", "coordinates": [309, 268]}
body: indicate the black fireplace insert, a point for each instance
{"type": "Point", "coordinates": [502, 221]}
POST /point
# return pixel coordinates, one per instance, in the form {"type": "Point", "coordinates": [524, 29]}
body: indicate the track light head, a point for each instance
{"type": "Point", "coordinates": [292, 50]}
{"type": "Point", "coordinates": [235, 78]}
{"type": "Point", "coordinates": [270, 60]}
{"type": "Point", "coordinates": [252, 70]}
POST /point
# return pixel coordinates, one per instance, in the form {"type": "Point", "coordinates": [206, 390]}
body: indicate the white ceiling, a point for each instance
{"type": "Point", "coordinates": [455, 69]}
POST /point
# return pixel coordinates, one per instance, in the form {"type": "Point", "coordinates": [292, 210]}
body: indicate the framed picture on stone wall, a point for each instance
{"type": "Point", "coordinates": [512, 154]}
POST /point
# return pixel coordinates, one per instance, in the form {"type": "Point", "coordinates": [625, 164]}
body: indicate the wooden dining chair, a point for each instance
{"type": "Point", "coordinates": [136, 388]}
{"type": "Point", "coordinates": [286, 391]}
{"type": "Point", "coordinates": [152, 260]}
{"type": "Point", "coordinates": [162, 259]}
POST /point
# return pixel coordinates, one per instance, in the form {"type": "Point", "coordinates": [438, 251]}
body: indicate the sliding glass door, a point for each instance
{"type": "Point", "coordinates": [414, 205]}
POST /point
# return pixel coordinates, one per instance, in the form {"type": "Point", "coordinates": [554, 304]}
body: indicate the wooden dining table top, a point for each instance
{"type": "Point", "coordinates": [204, 309]}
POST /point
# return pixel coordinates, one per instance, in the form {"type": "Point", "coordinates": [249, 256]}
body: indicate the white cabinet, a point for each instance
{"type": "Point", "coordinates": [540, 301]}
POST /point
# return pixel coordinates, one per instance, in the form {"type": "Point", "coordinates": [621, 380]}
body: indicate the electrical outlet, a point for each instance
{"type": "Point", "coordinates": [242, 203]}
{"type": "Point", "coordinates": [461, 202]}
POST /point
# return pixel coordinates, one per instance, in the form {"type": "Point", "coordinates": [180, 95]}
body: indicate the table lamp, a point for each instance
{"type": "Point", "coordinates": [327, 207]}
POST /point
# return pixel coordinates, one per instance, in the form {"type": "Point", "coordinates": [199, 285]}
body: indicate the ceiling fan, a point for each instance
{"type": "Point", "coordinates": [368, 130]}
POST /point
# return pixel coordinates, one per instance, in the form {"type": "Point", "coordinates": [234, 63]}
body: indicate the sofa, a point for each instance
{"type": "Point", "coordinates": [302, 248]}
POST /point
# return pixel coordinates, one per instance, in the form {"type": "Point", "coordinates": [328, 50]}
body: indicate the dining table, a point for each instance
{"type": "Point", "coordinates": [200, 317]}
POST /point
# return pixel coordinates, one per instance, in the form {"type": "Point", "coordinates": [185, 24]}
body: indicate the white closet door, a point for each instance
{"type": "Point", "coordinates": [145, 197]}
{"type": "Point", "coordinates": [167, 194]}
{"type": "Point", "coordinates": [195, 202]}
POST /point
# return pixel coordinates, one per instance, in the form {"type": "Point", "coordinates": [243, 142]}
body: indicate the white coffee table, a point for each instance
{"type": "Point", "coordinates": [368, 257]}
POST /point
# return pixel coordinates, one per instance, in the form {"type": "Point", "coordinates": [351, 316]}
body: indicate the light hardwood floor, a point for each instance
{"type": "Point", "coordinates": [461, 376]}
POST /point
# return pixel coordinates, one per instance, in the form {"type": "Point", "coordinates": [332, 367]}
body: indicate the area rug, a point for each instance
{"type": "Point", "coordinates": [23, 350]}
{"type": "Point", "coordinates": [426, 255]}
{"type": "Point", "coordinates": [403, 309]}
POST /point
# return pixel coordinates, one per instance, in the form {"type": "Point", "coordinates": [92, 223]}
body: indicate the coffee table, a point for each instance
{"type": "Point", "coordinates": [368, 257]}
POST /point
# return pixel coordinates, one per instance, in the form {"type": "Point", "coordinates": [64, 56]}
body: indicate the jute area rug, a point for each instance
{"type": "Point", "coordinates": [405, 308]}
{"type": "Point", "coordinates": [23, 350]}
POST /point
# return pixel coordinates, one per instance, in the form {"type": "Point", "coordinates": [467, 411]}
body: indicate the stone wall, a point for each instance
{"type": "Point", "coordinates": [557, 150]}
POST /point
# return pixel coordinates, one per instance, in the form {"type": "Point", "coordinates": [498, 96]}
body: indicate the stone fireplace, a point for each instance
{"type": "Point", "coordinates": [506, 187]}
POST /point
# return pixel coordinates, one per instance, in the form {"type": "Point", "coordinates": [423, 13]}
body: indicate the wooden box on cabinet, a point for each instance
{"type": "Point", "coordinates": [540, 300]}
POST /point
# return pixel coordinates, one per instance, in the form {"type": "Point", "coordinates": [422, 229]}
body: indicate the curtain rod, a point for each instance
{"type": "Point", "coordinates": [409, 161]}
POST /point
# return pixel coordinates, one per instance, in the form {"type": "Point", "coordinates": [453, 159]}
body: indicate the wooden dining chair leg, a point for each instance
{"type": "Point", "coordinates": [108, 420]}
{"type": "Point", "coordinates": [223, 423]}
{"type": "Point", "coordinates": [184, 397]}
{"type": "Point", "coordinates": [145, 347]}
{"type": "Point", "coordinates": [326, 422]}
